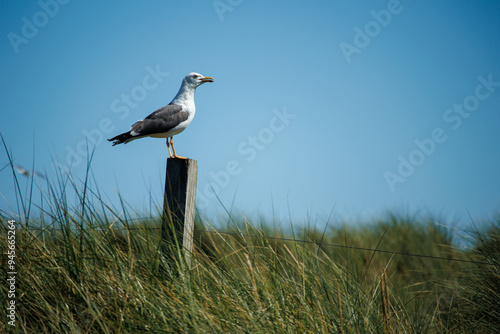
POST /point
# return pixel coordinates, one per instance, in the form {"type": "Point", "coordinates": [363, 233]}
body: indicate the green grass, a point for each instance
{"type": "Point", "coordinates": [84, 266]}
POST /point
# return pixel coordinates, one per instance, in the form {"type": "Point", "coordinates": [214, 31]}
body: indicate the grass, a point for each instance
{"type": "Point", "coordinates": [84, 266]}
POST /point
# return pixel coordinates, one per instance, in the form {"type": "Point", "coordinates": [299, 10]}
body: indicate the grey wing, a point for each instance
{"type": "Point", "coordinates": [162, 120]}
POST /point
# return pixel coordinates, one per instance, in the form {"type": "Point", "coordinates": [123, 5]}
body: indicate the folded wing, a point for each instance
{"type": "Point", "coordinates": [160, 121]}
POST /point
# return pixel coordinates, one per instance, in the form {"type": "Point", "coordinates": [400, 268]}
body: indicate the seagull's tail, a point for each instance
{"type": "Point", "coordinates": [123, 138]}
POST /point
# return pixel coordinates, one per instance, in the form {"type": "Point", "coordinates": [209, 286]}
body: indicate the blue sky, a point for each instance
{"type": "Point", "coordinates": [352, 106]}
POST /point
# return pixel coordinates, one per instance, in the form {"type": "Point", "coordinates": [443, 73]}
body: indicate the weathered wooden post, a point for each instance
{"type": "Point", "coordinates": [178, 212]}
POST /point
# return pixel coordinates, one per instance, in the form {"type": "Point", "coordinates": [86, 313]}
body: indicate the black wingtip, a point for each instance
{"type": "Point", "coordinates": [122, 138]}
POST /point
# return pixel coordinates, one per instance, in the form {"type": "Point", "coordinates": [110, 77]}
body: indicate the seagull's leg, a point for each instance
{"type": "Point", "coordinates": [168, 146]}
{"type": "Point", "coordinates": [173, 148]}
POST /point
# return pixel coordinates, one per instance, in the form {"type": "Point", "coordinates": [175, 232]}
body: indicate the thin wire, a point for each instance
{"type": "Point", "coordinates": [308, 242]}
{"type": "Point", "coordinates": [352, 247]}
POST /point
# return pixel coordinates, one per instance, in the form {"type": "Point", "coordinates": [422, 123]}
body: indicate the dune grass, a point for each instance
{"type": "Point", "coordinates": [84, 266]}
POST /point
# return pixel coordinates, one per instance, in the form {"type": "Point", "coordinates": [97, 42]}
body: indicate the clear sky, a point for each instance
{"type": "Point", "coordinates": [353, 106]}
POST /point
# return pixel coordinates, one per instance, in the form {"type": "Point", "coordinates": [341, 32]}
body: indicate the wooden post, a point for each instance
{"type": "Point", "coordinates": [178, 211]}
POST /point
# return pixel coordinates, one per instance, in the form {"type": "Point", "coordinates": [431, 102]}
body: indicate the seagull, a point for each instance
{"type": "Point", "coordinates": [23, 171]}
{"type": "Point", "coordinates": [170, 120]}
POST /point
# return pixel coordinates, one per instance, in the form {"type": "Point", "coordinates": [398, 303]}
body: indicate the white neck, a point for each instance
{"type": "Point", "coordinates": [185, 95]}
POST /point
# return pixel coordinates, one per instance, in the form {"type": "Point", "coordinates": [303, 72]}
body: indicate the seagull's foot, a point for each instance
{"type": "Point", "coordinates": [173, 149]}
{"type": "Point", "coordinates": [169, 152]}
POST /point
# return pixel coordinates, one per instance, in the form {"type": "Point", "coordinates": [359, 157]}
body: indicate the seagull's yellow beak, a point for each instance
{"type": "Point", "coordinates": [207, 79]}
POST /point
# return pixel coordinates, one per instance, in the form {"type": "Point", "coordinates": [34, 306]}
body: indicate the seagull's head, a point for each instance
{"type": "Point", "coordinates": [194, 79]}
